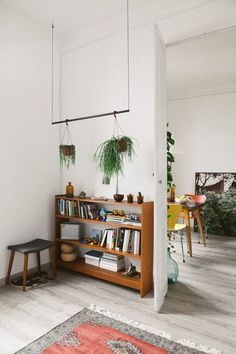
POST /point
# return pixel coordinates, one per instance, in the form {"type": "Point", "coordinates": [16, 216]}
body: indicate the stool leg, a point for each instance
{"type": "Point", "coordinates": [39, 262]}
{"type": "Point", "coordinates": [51, 249]}
{"type": "Point", "coordinates": [25, 270]}
{"type": "Point", "coordinates": [10, 267]}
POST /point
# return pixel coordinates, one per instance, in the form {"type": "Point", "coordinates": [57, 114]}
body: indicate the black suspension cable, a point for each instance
{"type": "Point", "coordinates": [52, 75]}
{"type": "Point", "coordinates": [128, 81]}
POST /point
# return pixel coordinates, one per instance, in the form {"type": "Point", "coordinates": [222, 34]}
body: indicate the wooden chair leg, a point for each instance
{"type": "Point", "coordinates": [10, 267]}
{"type": "Point", "coordinates": [25, 270]}
{"type": "Point", "coordinates": [188, 231]}
{"type": "Point", "coordinates": [39, 262]}
{"type": "Point", "coordinates": [51, 251]}
{"type": "Point", "coordinates": [199, 224]}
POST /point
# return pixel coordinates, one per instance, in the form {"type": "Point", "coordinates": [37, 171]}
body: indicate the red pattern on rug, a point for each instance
{"type": "Point", "coordinates": [88, 339]}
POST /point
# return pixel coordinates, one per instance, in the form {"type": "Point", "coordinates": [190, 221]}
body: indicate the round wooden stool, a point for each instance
{"type": "Point", "coordinates": [35, 246]}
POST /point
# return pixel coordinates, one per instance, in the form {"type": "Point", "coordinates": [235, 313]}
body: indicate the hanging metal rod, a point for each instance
{"type": "Point", "coordinates": [90, 117]}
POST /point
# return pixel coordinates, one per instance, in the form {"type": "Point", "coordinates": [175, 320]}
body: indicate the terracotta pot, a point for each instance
{"type": "Point", "coordinates": [68, 150]}
{"type": "Point", "coordinates": [122, 145]}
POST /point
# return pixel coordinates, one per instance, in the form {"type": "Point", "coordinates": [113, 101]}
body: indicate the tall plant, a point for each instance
{"type": "Point", "coordinates": [170, 158]}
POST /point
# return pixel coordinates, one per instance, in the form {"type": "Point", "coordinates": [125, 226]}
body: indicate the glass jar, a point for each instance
{"type": "Point", "coordinates": [69, 190]}
{"type": "Point", "coordinates": [172, 268]}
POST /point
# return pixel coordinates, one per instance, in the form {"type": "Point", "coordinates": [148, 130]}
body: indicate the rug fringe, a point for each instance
{"type": "Point", "coordinates": [153, 330]}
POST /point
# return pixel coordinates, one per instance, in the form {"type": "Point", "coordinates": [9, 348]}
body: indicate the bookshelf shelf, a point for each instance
{"type": "Point", "coordinates": [98, 248]}
{"type": "Point", "coordinates": [105, 223]}
{"type": "Point", "coordinates": [145, 258]}
{"type": "Point", "coordinates": [114, 277]}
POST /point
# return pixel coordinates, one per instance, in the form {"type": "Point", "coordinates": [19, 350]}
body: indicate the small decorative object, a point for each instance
{"type": "Point", "coordinates": [121, 212]}
{"type": "Point", "coordinates": [172, 193]}
{"type": "Point", "coordinates": [139, 198]}
{"type": "Point", "coordinates": [118, 197]}
{"type": "Point", "coordinates": [82, 195]}
{"type": "Point", "coordinates": [69, 190]}
{"type": "Point", "coordinates": [65, 248]}
{"type": "Point", "coordinates": [132, 272]}
{"type": "Point", "coordinates": [84, 241]}
{"type": "Point", "coordinates": [69, 257]}
{"type": "Point", "coordinates": [172, 268]}
{"type": "Point", "coordinates": [68, 253]}
{"type": "Point", "coordinates": [115, 212]}
{"type": "Point", "coordinates": [103, 214]}
{"type": "Point", "coordinates": [130, 198]}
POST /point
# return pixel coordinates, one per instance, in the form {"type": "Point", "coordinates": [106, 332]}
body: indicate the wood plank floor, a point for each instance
{"type": "Point", "coordinates": [200, 307]}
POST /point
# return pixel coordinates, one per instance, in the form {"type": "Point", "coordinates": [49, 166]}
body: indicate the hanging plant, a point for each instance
{"type": "Point", "coordinates": [112, 153]}
{"type": "Point", "coordinates": [67, 152]}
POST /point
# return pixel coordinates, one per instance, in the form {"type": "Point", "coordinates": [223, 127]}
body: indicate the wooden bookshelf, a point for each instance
{"type": "Point", "coordinates": [142, 284]}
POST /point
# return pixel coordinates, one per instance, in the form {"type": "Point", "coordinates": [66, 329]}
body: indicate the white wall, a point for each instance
{"type": "Point", "coordinates": [94, 80]}
{"type": "Point", "coordinates": [28, 143]}
{"type": "Point", "coordinates": [205, 131]}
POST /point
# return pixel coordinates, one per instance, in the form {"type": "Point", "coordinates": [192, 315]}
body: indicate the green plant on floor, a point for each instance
{"type": "Point", "coordinates": [170, 158]}
{"type": "Point", "coordinates": [67, 152]}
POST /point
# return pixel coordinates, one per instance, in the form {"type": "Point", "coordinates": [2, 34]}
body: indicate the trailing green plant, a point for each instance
{"type": "Point", "coordinates": [67, 155]}
{"type": "Point", "coordinates": [67, 152]}
{"type": "Point", "coordinates": [170, 158]}
{"type": "Point", "coordinates": [112, 153]}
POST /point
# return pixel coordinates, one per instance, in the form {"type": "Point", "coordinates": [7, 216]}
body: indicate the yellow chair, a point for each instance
{"type": "Point", "coordinates": [172, 226]}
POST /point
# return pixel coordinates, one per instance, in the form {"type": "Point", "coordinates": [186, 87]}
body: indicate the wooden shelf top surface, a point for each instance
{"type": "Point", "coordinates": [117, 277]}
{"type": "Point", "coordinates": [101, 201]}
{"type": "Point", "coordinates": [98, 248]}
{"type": "Point", "coordinates": [105, 223]}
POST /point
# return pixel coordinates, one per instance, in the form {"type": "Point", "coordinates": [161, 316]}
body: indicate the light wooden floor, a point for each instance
{"type": "Point", "coordinates": [200, 307]}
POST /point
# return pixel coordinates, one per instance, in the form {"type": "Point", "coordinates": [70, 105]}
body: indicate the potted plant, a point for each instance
{"type": "Point", "coordinates": [67, 155]}
{"type": "Point", "coordinates": [67, 152]}
{"type": "Point", "coordinates": [170, 160]}
{"type": "Point", "coordinates": [111, 155]}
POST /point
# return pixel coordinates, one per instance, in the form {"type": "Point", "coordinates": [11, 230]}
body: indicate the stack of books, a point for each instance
{"type": "Point", "coordinates": [112, 262]}
{"type": "Point", "coordinates": [93, 257]}
{"type": "Point", "coordinates": [114, 218]}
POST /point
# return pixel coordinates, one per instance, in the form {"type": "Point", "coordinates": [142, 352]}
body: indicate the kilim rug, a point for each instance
{"type": "Point", "coordinates": [97, 331]}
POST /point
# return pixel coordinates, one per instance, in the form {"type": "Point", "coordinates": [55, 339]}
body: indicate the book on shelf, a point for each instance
{"type": "Point", "coordinates": [93, 257]}
{"type": "Point", "coordinates": [112, 262]}
{"type": "Point", "coordinates": [123, 240]}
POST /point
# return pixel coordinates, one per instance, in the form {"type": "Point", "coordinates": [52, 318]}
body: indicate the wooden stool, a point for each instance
{"type": "Point", "coordinates": [34, 246]}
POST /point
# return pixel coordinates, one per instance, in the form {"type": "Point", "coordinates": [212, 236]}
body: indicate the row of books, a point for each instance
{"type": "Point", "coordinates": [104, 260]}
{"type": "Point", "coordinates": [124, 240]}
{"type": "Point", "coordinates": [77, 209]}
{"type": "Point", "coordinates": [83, 210]}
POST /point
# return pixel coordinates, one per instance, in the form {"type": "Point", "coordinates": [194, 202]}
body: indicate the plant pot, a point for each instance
{"type": "Point", "coordinates": [122, 145]}
{"type": "Point", "coordinates": [118, 197]}
{"type": "Point", "coordinates": [68, 150]}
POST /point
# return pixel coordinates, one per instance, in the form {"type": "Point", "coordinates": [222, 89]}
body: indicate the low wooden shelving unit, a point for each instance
{"type": "Point", "coordinates": [142, 284]}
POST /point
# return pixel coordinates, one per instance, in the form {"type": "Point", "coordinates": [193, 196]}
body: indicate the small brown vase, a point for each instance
{"type": "Point", "coordinates": [69, 190]}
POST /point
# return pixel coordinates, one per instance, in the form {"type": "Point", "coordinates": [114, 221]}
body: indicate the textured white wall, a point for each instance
{"type": "Point", "coordinates": [94, 81]}
{"type": "Point", "coordinates": [205, 131]}
{"type": "Point", "coordinates": [28, 143]}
